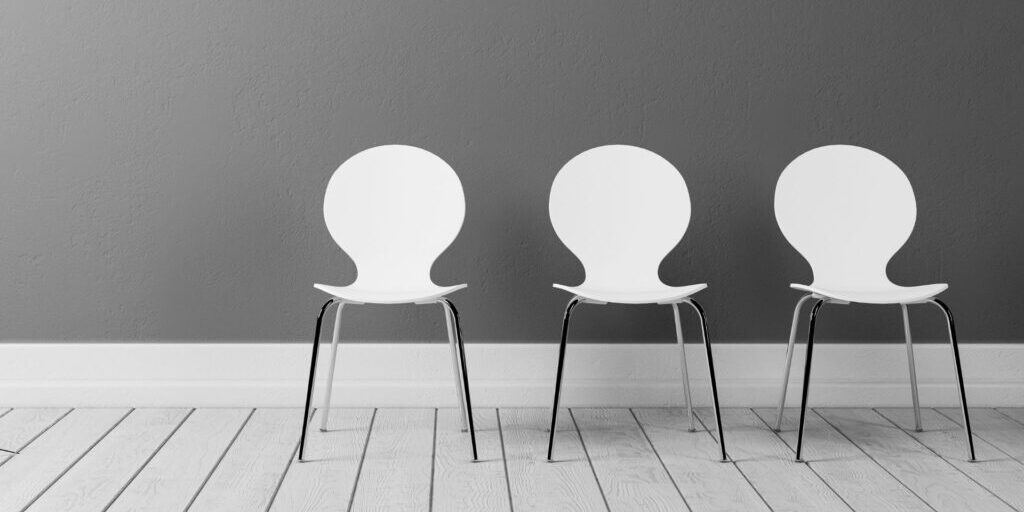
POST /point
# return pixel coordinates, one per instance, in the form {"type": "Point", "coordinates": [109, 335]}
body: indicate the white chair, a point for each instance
{"type": "Point", "coordinates": [393, 210]}
{"type": "Point", "coordinates": [620, 210]}
{"type": "Point", "coordinates": [847, 210]}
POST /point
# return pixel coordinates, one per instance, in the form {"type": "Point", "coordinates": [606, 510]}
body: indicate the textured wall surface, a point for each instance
{"type": "Point", "coordinates": [163, 163]}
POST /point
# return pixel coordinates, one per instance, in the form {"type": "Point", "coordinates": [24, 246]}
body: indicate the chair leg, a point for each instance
{"type": "Point", "coordinates": [682, 364]}
{"type": "Point", "coordinates": [558, 375]}
{"type": "Point", "coordinates": [330, 370]}
{"type": "Point", "coordinates": [456, 371]}
{"type": "Point", "coordinates": [312, 379]}
{"type": "Point", "coordinates": [913, 372]}
{"type": "Point", "coordinates": [789, 360]}
{"type": "Point", "coordinates": [711, 371]}
{"type": "Point", "coordinates": [959, 374]}
{"type": "Point", "coordinates": [807, 379]}
{"type": "Point", "coordinates": [465, 375]}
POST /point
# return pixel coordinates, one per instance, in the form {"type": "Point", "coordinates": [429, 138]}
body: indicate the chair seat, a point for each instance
{"type": "Point", "coordinates": [664, 295]}
{"type": "Point", "coordinates": [354, 293]}
{"type": "Point", "coordinates": [881, 295]}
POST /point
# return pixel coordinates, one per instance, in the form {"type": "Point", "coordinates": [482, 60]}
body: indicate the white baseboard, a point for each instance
{"type": "Point", "coordinates": [513, 374]}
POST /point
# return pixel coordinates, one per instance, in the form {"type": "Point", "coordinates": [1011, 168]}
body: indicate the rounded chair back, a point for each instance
{"type": "Point", "coordinates": [846, 210]}
{"type": "Point", "coordinates": [394, 209]}
{"type": "Point", "coordinates": [620, 209]}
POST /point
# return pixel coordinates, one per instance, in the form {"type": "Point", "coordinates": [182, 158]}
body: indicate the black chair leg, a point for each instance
{"type": "Point", "coordinates": [711, 370]}
{"type": "Point", "coordinates": [807, 379]}
{"type": "Point", "coordinates": [312, 379]}
{"type": "Point", "coordinates": [558, 374]}
{"type": "Point", "coordinates": [465, 374]}
{"type": "Point", "coordinates": [959, 375]}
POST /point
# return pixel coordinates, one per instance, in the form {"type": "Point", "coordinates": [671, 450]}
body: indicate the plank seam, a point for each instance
{"type": "Point", "coordinates": [583, 444]}
{"type": "Point", "coordinates": [872, 459]}
{"type": "Point", "coordinates": [148, 459]}
{"type": "Point", "coordinates": [2, 449]}
{"type": "Point", "coordinates": [77, 459]}
{"type": "Point", "coordinates": [808, 463]}
{"type": "Point", "coordinates": [979, 436]}
{"type": "Point", "coordinates": [219, 459]}
{"type": "Point", "coordinates": [660, 461]}
{"type": "Point", "coordinates": [41, 432]}
{"type": "Point", "coordinates": [504, 460]}
{"type": "Point", "coordinates": [1011, 418]}
{"type": "Point", "coordinates": [280, 481]}
{"type": "Point", "coordinates": [433, 463]}
{"type": "Point", "coordinates": [958, 470]}
{"type": "Point", "coordinates": [735, 464]}
{"type": "Point", "coordinates": [362, 458]}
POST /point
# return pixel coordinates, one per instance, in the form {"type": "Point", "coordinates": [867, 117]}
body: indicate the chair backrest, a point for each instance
{"type": "Point", "coordinates": [620, 210]}
{"type": "Point", "coordinates": [394, 209]}
{"type": "Point", "coordinates": [847, 210]}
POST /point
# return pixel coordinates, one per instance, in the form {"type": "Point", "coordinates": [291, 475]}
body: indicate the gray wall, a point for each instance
{"type": "Point", "coordinates": [163, 163]}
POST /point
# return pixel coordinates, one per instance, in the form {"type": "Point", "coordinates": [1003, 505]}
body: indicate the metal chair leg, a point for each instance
{"type": "Point", "coordinates": [682, 364]}
{"type": "Point", "coordinates": [330, 371]}
{"type": "Point", "coordinates": [455, 370]}
{"type": "Point", "coordinates": [465, 375]}
{"type": "Point", "coordinates": [312, 378]}
{"type": "Point", "coordinates": [558, 375]}
{"type": "Point", "coordinates": [959, 374]}
{"type": "Point", "coordinates": [789, 360]}
{"type": "Point", "coordinates": [913, 372]}
{"type": "Point", "coordinates": [711, 371]}
{"type": "Point", "coordinates": [807, 379]}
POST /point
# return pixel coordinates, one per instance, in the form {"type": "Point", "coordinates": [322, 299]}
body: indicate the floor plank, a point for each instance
{"type": "Point", "coordinates": [248, 476]}
{"type": "Point", "coordinates": [993, 426]}
{"type": "Point", "coordinates": [859, 480]}
{"type": "Point", "coordinates": [459, 483]}
{"type": "Point", "coordinates": [27, 475]}
{"type": "Point", "coordinates": [994, 470]}
{"type": "Point", "coordinates": [692, 459]}
{"type": "Point", "coordinates": [768, 463]}
{"type": "Point", "coordinates": [398, 466]}
{"type": "Point", "coordinates": [326, 480]}
{"type": "Point", "coordinates": [941, 485]}
{"type": "Point", "coordinates": [99, 477]}
{"type": "Point", "coordinates": [19, 427]}
{"type": "Point", "coordinates": [566, 484]}
{"type": "Point", "coordinates": [630, 473]}
{"type": "Point", "coordinates": [178, 471]}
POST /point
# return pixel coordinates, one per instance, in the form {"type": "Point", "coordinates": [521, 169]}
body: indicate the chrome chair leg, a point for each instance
{"type": "Point", "coordinates": [465, 375]}
{"type": "Point", "coordinates": [455, 369]}
{"type": "Point", "coordinates": [330, 371]}
{"type": "Point", "coordinates": [312, 379]}
{"type": "Point", "coordinates": [913, 372]}
{"type": "Point", "coordinates": [789, 360]}
{"type": "Point", "coordinates": [711, 371]}
{"type": "Point", "coordinates": [807, 378]}
{"type": "Point", "coordinates": [959, 374]}
{"type": "Point", "coordinates": [682, 363]}
{"type": "Point", "coordinates": [558, 375]}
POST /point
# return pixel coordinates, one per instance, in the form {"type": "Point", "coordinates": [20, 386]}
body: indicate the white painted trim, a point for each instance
{"type": "Point", "coordinates": [512, 374]}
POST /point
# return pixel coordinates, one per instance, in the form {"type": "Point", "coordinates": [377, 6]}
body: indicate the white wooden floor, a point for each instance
{"type": "Point", "coordinates": [416, 459]}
